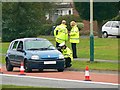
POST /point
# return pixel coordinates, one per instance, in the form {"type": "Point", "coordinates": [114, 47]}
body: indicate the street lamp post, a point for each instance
{"type": "Point", "coordinates": [91, 33]}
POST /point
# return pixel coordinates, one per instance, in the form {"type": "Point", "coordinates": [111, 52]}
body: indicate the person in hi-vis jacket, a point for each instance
{"type": "Point", "coordinates": [74, 37]}
{"type": "Point", "coordinates": [61, 33]}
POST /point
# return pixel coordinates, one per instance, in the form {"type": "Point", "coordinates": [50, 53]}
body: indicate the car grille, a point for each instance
{"type": "Point", "coordinates": [49, 59]}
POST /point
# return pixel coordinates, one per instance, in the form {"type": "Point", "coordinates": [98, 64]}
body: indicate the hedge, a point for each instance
{"type": "Point", "coordinates": [46, 29]}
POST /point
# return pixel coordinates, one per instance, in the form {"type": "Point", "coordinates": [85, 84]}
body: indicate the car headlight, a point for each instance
{"type": "Point", "coordinates": [36, 57]}
{"type": "Point", "coordinates": [61, 56]}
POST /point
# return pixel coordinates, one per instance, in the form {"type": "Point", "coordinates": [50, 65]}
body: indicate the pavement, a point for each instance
{"type": "Point", "coordinates": [97, 60]}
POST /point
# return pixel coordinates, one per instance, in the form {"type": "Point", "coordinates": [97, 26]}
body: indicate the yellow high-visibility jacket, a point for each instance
{"type": "Point", "coordinates": [67, 53]}
{"type": "Point", "coordinates": [61, 33]}
{"type": "Point", "coordinates": [74, 35]}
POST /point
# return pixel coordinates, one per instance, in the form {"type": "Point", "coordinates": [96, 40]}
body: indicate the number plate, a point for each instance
{"type": "Point", "coordinates": [49, 62]}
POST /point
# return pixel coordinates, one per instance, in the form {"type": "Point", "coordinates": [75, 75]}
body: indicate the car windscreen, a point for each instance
{"type": "Point", "coordinates": [38, 45]}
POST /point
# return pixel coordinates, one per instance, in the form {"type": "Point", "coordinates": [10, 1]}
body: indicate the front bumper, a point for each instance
{"type": "Point", "coordinates": [40, 64]}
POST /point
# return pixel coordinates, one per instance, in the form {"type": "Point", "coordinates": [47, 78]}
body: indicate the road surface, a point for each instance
{"type": "Point", "coordinates": [52, 82]}
{"type": "Point", "coordinates": [66, 79]}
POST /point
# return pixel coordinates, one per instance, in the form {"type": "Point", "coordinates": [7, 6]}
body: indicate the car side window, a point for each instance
{"type": "Point", "coordinates": [115, 24]}
{"type": "Point", "coordinates": [20, 46]}
{"type": "Point", "coordinates": [15, 45]}
{"type": "Point", "coordinates": [108, 24]}
{"type": "Point", "coordinates": [10, 47]}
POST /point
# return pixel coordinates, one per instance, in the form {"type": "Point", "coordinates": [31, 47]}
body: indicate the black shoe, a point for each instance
{"type": "Point", "coordinates": [70, 65]}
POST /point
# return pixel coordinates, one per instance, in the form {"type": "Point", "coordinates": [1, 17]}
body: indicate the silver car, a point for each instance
{"type": "Point", "coordinates": [111, 28]}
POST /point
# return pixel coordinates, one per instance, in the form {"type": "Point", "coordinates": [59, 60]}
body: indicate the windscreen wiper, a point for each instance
{"type": "Point", "coordinates": [49, 47]}
{"type": "Point", "coordinates": [33, 49]}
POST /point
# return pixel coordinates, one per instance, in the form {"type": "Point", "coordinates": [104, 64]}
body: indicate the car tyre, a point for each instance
{"type": "Point", "coordinates": [40, 70]}
{"type": "Point", "coordinates": [105, 35]}
{"type": "Point", "coordinates": [60, 70]}
{"type": "Point", "coordinates": [118, 36]}
{"type": "Point", "coordinates": [9, 67]}
{"type": "Point", "coordinates": [27, 68]}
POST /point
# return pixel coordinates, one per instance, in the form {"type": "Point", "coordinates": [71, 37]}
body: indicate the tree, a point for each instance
{"type": "Point", "coordinates": [23, 19]}
{"type": "Point", "coordinates": [102, 11]}
{"type": "Point", "coordinates": [117, 18]}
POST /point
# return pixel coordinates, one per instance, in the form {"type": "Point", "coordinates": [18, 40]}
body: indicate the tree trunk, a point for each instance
{"type": "Point", "coordinates": [100, 29]}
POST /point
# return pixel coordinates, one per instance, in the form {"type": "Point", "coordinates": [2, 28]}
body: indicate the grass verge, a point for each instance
{"type": "Point", "coordinates": [14, 87]}
{"type": "Point", "coordinates": [105, 66]}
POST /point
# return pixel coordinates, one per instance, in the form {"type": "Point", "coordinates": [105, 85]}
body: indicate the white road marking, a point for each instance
{"type": "Point", "coordinates": [89, 82]}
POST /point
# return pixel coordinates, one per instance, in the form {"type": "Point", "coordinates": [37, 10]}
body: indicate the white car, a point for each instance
{"type": "Point", "coordinates": [111, 28]}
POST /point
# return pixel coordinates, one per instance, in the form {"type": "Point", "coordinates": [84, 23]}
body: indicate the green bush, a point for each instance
{"type": "Point", "coordinates": [80, 25]}
{"type": "Point", "coordinates": [68, 19]}
{"type": "Point", "coordinates": [20, 20]}
{"type": "Point", "coordinates": [46, 29]}
{"type": "Point", "coordinates": [9, 35]}
{"type": "Point", "coordinates": [87, 32]}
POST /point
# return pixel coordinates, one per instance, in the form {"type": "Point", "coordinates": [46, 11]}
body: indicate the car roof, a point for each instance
{"type": "Point", "coordinates": [25, 39]}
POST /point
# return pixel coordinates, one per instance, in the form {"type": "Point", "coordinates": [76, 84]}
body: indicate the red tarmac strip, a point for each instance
{"type": "Point", "coordinates": [72, 75]}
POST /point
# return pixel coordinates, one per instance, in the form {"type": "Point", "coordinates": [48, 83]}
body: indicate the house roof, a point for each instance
{"type": "Point", "coordinates": [64, 5]}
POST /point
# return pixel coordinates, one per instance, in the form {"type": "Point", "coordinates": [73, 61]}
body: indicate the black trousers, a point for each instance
{"type": "Point", "coordinates": [57, 46]}
{"type": "Point", "coordinates": [74, 50]}
{"type": "Point", "coordinates": [68, 62]}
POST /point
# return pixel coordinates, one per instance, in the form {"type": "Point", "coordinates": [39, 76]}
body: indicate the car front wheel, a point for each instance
{"type": "Point", "coordinates": [27, 68]}
{"type": "Point", "coordinates": [105, 35]}
{"type": "Point", "coordinates": [118, 36]}
{"type": "Point", "coordinates": [60, 70]}
{"type": "Point", "coordinates": [9, 67]}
